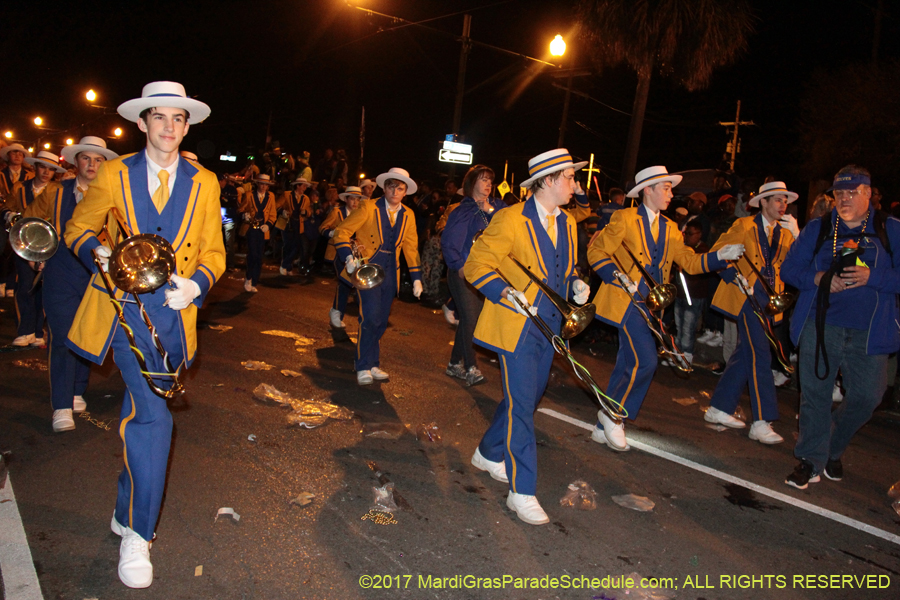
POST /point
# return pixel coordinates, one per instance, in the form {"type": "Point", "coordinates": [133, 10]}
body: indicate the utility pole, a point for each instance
{"type": "Point", "coordinates": [735, 140]}
{"type": "Point", "coordinates": [461, 77]}
{"type": "Point", "coordinates": [569, 74]}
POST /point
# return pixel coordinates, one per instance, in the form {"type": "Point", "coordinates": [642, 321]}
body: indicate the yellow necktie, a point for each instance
{"type": "Point", "coordinates": [551, 229]}
{"type": "Point", "coordinates": [161, 195]}
{"type": "Point", "coordinates": [393, 217]}
{"type": "Point", "coordinates": [654, 229]}
{"type": "Point", "coordinates": [770, 229]}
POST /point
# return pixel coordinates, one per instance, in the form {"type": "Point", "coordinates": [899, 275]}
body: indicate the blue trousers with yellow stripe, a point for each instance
{"type": "Point", "coordinates": [374, 312]}
{"type": "Point", "coordinates": [750, 365]}
{"type": "Point", "coordinates": [29, 304]}
{"type": "Point", "coordinates": [256, 245]}
{"type": "Point", "coordinates": [510, 437]}
{"type": "Point", "coordinates": [146, 423]}
{"type": "Point", "coordinates": [65, 282]}
{"type": "Point", "coordinates": [342, 294]}
{"type": "Point", "coordinates": [636, 363]}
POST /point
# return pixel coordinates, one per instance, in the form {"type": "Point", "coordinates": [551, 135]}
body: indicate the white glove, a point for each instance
{"type": "Point", "coordinates": [730, 252]}
{"type": "Point", "coordinates": [264, 228]}
{"type": "Point", "coordinates": [331, 233]}
{"type": "Point", "coordinates": [286, 214]}
{"type": "Point", "coordinates": [246, 216]}
{"type": "Point", "coordinates": [790, 223]}
{"type": "Point", "coordinates": [627, 283]}
{"type": "Point", "coordinates": [103, 253]}
{"type": "Point", "coordinates": [743, 282]}
{"type": "Point", "coordinates": [417, 289]}
{"type": "Point", "coordinates": [352, 265]}
{"type": "Point", "coordinates": [8, 216]}
{"type": "Point", "coordinates": [581, 291]}
{"type": "Point", "coordinates": [184, 292]}
{"type": "Point", "coordinates": [512, 295]}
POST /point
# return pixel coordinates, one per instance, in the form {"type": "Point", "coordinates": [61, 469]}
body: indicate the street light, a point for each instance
{"type": "Point", "coordinates": [69, 141]}
{"type": "Point", "coordinates": [8, 135]}
{"type": "Point", "coordinates": [558, 46]}
{"type": "Point", "coordinates": [47, 146]}
{"type": "Point", "coordinates": [31, 149]}
{"type": "Point", "coordinates": [91, 95]}
{"type": "Point", "coordinates": [38, 121]}
{"type": "Point", "coordinates": [117, 132]}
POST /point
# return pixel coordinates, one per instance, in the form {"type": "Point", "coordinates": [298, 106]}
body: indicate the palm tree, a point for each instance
{"type": "Point", "coordinates": [683, 40]}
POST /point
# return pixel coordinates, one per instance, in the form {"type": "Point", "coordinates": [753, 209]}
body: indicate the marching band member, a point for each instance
{"type": "Point", "coordinates": [260, 212]}
{"type": "Point", "coordinates": [383, 227]}
{"type": "Point", "coordinates": [470, 217]}
{"type": "Point", "coordinates": [179, 201]}
{"type": "Point", "coordinates": [29, 300]}
{"type": "Point", "coordinates": [14, 155]}
{"type": "Point", "coordinates": [657, 243]}
{"type": "Point", "coordinates": [66, 280]}
{"type": "Point", "coordinates": [351, 197]}
{"type": "Point", "coordinates": [295, 208]}
{"type": "Point", "coordinates": [367, 186]}
{"type": "Point", "coordinates": [767, 238]}
{"type": "Point", "coordinates": [542, 237]}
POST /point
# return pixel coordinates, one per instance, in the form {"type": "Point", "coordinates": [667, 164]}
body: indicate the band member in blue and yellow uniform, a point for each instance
{"type": "Point", "coordinates": [295, 208]}
{"type": "Point", "coordinates": [767, 238]}
{"type": "Point", "coordinates": [154, 191]}
{"type": "Point", "coordinates": [14, 156]}
{"type": "Point", "coordinates": [29, 299]}
{"type": "Point", "coordinates": [66, 279]}
{"type": "Point", "coordinates": [657, 243]}
{"type": "Point", "coordinates": [383, 228]}
{"type": "Point", "coordinates": [259, 208]}
{"type": "Point", "coordinates": [351, 197]}
{"type": "Point", "coordinates": [542, 237]}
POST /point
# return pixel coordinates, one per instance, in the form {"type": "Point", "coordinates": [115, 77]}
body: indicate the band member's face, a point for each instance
{"type": "Point", "coordinates": [394, 192]}
{"type": "Point", "coordinates": [483, 186]}
{"type": "Point", "coordinates": [658, 196]}
{"type": "Point", "coordinates": [563, 188]}
{"type": "Point", "coordinates": [352, 202]}
{"type": "Point", "coordinates": [165, 128]}
{"type": "Point", "coordinates": [852, 205]}
{"type": "Point", "coordinates": [88, 163]}
{"type": "Point", "coordinates": [773, 207]}
{"type": "Point", "coordinates": [15, 158]}
{"type": "Point", "coordinates": [262, 187]}
{"type": "Point", "coordinates": [43, 173]}
{"type": "Point", "coordinates": [300, 188]}
{"type": "Point", "coordinates": [367, 190]}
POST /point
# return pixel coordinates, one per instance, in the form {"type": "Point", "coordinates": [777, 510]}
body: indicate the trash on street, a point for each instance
{"type": "Point", "coordinates": [227, 511]}
{"type": "Point", "coordinates": [221, 328]}
{"type": "Point", "coordinates": [313, 413]}
{"type": "Point", "coordinates": [256, 365]}
{"type": "Point", "coordinates": [638, 503]}
{"type": "Point", "coordinates": [428, 432]}
{"type": "Point", "coordinates": [289, 373]}
{"type": "Point", "coordinates": [383, 498]}
{"type": "Point", "coordinates": [384, 431]}
{"type": "Point", "coordinates": [581, 495]}
{"type": "Point", "coordinates": [303, 499]}
{"type": "Point", "coordinates": [35, 364]}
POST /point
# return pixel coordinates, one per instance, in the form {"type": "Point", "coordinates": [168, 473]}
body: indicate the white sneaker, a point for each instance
{"type": "Point", "coordinates": [24, 340]}
{"type": "Point", "coordinates": [449, 315]}
{"type": "Point", "coordinates": [527, 508]}
{"type": "Point", "coordinates": [717, 340]}
{"type": "Point", "coordinates": [762, 432]}
{"type": "Point", "coordinates": [497, 470]}
{"type": "Point", "coordinates": [249, 286]}
{"type": "Point", "coordinates": [612, 433]}
{"type": "Point", "coordinates": [62, 420]}
{"type": "Point", "coordinates": [379, 375]}
{"type": "Point", "coordinates": [707, 334]}
{"type": "Point", "coordinates": [283, 271]}
{"type": "Point", "coordinates": [116, 527]}
{"type": "Point", "coordinates": [135, 568]}
{"type": "Point", "coordinates": [714, 415]}
{"type": "Point", "coordinates": [78, 405]}
{"type": "Point", "coordinates": [836, 394]}
{"type": "Point", "coordinates": [334, 315]}
{"type": "Point", "coordinates": [364, 377]}
{"type": "Point", "coordinates": [780, 378]}
{"type": "Point", "coordinates": [38, 342]}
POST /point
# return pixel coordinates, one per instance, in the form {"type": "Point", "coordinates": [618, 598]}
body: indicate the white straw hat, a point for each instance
{"type": "Point", "coordinates": [168, 94]}
{"type": "Point", "coordinates": [549, 162]}
{"type": "Point", "coordinates": [351, 190]}
{"type": "Point", "coordinates": [88, 143]}
{"type": "Point", "coordinates": [651, 176]}
{"type": "Point", "coordinates": [4, 152]}
{"type": "Point", "coordinates": [400, 175]}
{"type": "Point", "coordinates": [773, 188]}
{"type": "Point", "coordinates": [46, 158]}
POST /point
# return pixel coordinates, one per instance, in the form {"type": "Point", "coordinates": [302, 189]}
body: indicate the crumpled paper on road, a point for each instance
{"type": "Point", "coordinates": [299, 340]}
{"type": "Point", "coordinates": [221, 328]}
{"type": "Point", "coordinates": [313, 413]}
{"type": "Point", "coordinates": [256, 365]}
{"type": "Point", "coordinates": [227, 511]}
{"type": "Point", "coordinates": [35, 364]}
{"type": "Point", "coordinates": [264, 392]}
{"type": "Point", "coordinates": [581, 495]}
{"type": "Point", "coordinates": [638, 503]}
{"type": "Point", "coordinates": [289, 373]}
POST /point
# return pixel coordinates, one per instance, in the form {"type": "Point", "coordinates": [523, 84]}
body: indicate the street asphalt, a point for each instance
{"type": "Point", "coordinates": [713, 538]}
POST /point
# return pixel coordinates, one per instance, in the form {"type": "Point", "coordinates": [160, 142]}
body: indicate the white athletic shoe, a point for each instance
{"type": "Point", "coordinates": [78, 405]}
{"type": "Point", "coordinates": [135, 568]}
{"type": "Point", "coordinates": [62, 420]}
{"type": "Point", "coordinates": [527, 508]}
{"type": "Point", "coordinates": [379, 375]}
{"type": "Point", "coordinates": [248, 286]}
{"type": "Point", "coordinates": [24, 340]}
{"type": "Point", "coordinates": [780, 378]}
{"type": "Point", "coordinates": [497, 470]}
{"type": "Point", "coordinates": [612, 433]}
{"type": "Point", "coordinates": [334, 316]}
{"type": "Point", "coordinates": [720, 417]}
{"type": "Point", "coordinates": [762, 432]}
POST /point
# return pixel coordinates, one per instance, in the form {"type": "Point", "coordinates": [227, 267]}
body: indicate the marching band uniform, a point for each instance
{"type": "Point", "coordinates": [9, 177]}
{"type": "Point", "coordinates": [297, 205]}
{"type": "Point", "coordinates": [188, 216]}
{"type": "Point", "coordinates": [331, 222]}
{"type": "Point", "coordinates": [383, 234]}
{"type": "Point", "coordinates": [29, 299]}
{"type": "Point", "coordinates": [261, 209]}
{"type": "Point", "coordinates": [767, 244]}
{"type": "Point", "coordinates": [545, 242]}
{"type": "Point", "coordinates": [65, 281]}
{"type": "Point", "coordinates": [656, 241]}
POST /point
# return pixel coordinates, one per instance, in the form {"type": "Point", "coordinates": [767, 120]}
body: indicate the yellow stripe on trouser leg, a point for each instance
{"type": "Point", "coordinates": [125, 422]}
{"type": "Point", "coordinates": [509, 418]}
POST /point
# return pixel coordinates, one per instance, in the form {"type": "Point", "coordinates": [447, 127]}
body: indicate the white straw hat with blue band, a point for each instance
{"type": "Point", "coordinates": [549, 162]}
{"type": "Point", "coordinates": [89, 143]}
{"type": "Point", "coordinates": [652, 176]}
{"type": "Point", "coordinates": [773, 188]}
{"type": "Point", "coordinates": [167, 94]}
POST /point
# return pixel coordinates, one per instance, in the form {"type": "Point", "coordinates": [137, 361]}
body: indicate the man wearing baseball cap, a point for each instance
{"type": "Point", "coordinates": [846, 265]}
{"type": "Point", "coordinates": [65, 280]}
{"type": "Point", "coordinates": [656, 242]}
{"type": "Point", "coordinates": [168, 196]}
{"type": "Point", "coordinates": [541, 236]}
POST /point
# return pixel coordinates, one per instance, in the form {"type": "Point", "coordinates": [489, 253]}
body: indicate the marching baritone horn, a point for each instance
{"type": "Point", "coordinates": [139, 264]}
{"type": "Point", "coordinates": [367, 275]}
{"type": "Point", "coordinates": [32, 239]}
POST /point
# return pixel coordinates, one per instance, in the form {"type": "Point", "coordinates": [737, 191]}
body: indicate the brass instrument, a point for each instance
{"type": "Point", "coordinates": [660, 295]}
{"type": "Point", "coordinates": [138, 264]}
{"type": "Point", "coordinates": [367, 275]}
{"type": "Point", "coordinates": [776, 304]}
{"type": "Point", "coordinates": [32, 239]}
{"type": "Point", "coordinates": [667, 346]}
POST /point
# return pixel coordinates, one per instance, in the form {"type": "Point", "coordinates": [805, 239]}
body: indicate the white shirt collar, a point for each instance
{"type": "Point", "coordinates": [153, 170]}
{"type": "Point", "coordinates": [766, 222]}
{"type": "Point", "coordinates": [543, 214]}
{"type": "Point", "coordinates": [652, 215]}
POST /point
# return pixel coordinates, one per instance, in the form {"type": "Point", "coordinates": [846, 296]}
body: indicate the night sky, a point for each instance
{"type": "Point", "coordinates": [312, 65]}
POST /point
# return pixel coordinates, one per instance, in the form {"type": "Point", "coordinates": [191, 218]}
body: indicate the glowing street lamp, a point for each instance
{"type": "Point", "coordinates": [8, 135]}
{"type": "Point", "coordinates": [31, 149]}
{"type": "Point", "coordinates": [38, 121]}
{"type": "Point", "coordinates": [91, 95]}
{"type": "Point", "coordinates": [69, 141]}
{"type": "Point", "coordinates": [47, 146]}
{"type": "Point", "coordinates": [558, 46]}
{"type": "Point", "coordinates": [118, 132]}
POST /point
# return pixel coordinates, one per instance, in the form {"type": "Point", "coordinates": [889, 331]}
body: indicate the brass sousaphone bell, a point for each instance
{"type": "Point", "coordinates": [367, 275]}
{"type": "Point", "coordinates": [32, 239]}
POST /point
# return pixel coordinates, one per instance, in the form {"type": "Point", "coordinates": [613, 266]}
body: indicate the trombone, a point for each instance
{"type": "Point", "coordinates": [575, 320]}
{"type": "Point", "coordinates": [138, 264]}
{"type": "Point", "coordinates": [367, 275]}
{"type": "Point", "coordinates": [657, 299]}
{"type": "Point", "coordinates": [777, 303]}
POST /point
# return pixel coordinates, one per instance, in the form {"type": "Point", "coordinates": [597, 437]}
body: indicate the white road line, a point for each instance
{"type": "Point", "coordinates": [20, 581]}
{"type": "Point", "coordinates": [823, 512]}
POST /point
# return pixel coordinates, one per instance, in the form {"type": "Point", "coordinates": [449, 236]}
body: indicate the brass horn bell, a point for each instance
{"type": "Point", "coordinates": [33, 239]}
{"type": "Point", "coordinates": [142, 263]}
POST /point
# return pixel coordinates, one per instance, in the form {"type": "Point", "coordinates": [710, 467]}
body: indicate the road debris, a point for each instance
{"type": "Point", "coordinates": [289, 373]}
{"type": "Point", "coordinates": [221, 328]}
{"type": "Point", "coordinates": [581, 495]}
{"type": "Point", "coordinates": [299, 340]}
{"type": "Point", "coordinates": [685, 401]}
{"type": "Point", "coordinates": [198, 571]}
{"type": "Point", "coordinates": [251, 437]}
{"type": "Point", "coordinates": [313, 413]}
{"type": "Point", "coordinates": [428, 432]}
{"type": "Point", "coordinates": [638, 503]}
{"type": "Point", "coordinates": [35, 364]}
{"type": "Point", "coordinates": [383, 431]}
{"type": "Point", "coordinates": [256, 365]}
{"type": "Point", "coordinates": [227, 511]}
{"type": "Point", "coordinates": [303, 499]}
{"type": "Point", "coordinates": [266, 392]}
{"type": "Point", "coordinates": [101, 424]}
{"type": "Point", "coordinates": [383, 498]}
{"type": "Point", "coordinates": [381, 518]}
